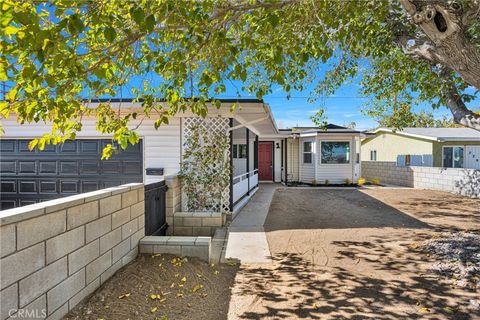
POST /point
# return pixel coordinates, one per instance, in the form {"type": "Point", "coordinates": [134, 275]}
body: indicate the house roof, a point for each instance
{"type": "Point", "coordinates": [436, 134]}
{"type": "Point", "coordinates": [329, 128]}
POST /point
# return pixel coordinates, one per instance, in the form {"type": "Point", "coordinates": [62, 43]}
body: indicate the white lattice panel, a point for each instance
{"type": "Point", "coordinates": [213, 125]}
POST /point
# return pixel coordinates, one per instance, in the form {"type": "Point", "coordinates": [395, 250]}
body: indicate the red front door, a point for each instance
{"type": "Point", "coordinates": [265, 161]}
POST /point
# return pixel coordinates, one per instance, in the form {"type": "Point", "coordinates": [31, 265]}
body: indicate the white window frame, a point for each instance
{"type": "Point", "coordinates": [373, 152]}
{"type": "Point", "coordinates": [349, 163]}
{"type": "Point", "coordinates": [311, 152]}
{"type": "Point", "coordinates": [453, 153]}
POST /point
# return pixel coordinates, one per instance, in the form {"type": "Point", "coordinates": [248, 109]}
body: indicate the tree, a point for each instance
{"type": "Point", "coordinates": [53, 54]}
{"type": "Point", "coordinates": [405, 118]}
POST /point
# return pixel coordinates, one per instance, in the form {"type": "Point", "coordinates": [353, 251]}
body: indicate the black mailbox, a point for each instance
{"type": "Point", "coordinates": [154, 171]}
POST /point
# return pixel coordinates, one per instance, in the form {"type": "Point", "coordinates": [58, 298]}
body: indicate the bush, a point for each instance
{"type": "Point", "coordinates": [361, 181]}
{"type": "Point", "coordinates": [376, 181]}
{"type": "Point", "coordinates": [327, 182]}
{"type": "Point", "coordinates": [348, 181]}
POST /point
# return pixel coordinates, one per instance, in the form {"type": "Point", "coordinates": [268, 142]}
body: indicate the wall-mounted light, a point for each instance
{"type": "Point", "coordinates": [278, 145]}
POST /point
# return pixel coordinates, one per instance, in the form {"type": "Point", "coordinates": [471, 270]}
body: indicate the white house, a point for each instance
{"type": "Point", "coordinates": [259, 152]}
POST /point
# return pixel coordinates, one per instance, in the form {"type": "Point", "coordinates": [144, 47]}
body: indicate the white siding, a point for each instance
{"type": "Point", "coordinates": [336, 173]}
{"type": "Point", "coordinates": [292, 163]}
{"type": "Point", "coordinates": [161, 147]}
{"type": "Point", "coordinates": [307, 170]}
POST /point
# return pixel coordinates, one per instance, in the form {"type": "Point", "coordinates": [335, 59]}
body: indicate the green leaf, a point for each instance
{"type": "Point", "coordinates": [138, 15]}
{"type": "Point", "coordinates": [150, 23]}
{"type": "Point", "coordinates": [109, 34]}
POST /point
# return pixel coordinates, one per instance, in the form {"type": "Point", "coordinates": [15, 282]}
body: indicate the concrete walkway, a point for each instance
{"type": "Point", "coordinates": [246, 239]}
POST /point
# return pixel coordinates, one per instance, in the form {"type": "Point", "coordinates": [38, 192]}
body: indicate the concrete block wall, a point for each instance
{"type": "Point", "coordinates": [188, 223]}
{"type": "Point", "coordinates": [174, 200]}
{"type": "Point", "coordinates": [197, 223]}
{"type": "Point", "coordinates": [457, 180]}
{"type": "Point", "coordinates": [462, 181]}
{"type": "Point", "coordinates": [387, 172]}
{"type": "Point", "coordinates": [55, 253]}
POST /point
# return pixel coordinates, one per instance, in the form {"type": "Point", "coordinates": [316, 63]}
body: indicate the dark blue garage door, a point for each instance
{"type": "Point", "coordinates": [62, 170]}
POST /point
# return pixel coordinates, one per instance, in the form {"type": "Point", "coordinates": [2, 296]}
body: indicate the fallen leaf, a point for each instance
{"type": "Point", "coordinates": [180, 295]}
{"type": "Point", "coordinates": [197, 287]}
{"type": "Point", "coordinates": [156, 255]}
{"type": "Point", "coordinates": [126, 295]}
{"type": "Point", "coordinates": [216, 272]}
{"type": "Point", "coordinates": [155, 296]}
{"type": "Point", "coordinates": [315, 306]}
{"type": "Point", "coordinates": [425, 309]}
{"type": "Point", "coordinates": [172, 285]}
{"type": "Point", "coordinates": [450, 309]}
{"type": "Point", "coordinates": [204, 295]}
{"type": "Point", "coordinates": [189, 305]}
{"type": "Point", "coordinates": [184, 279]}
{"type": "Point", "coordinates": [154, 309]}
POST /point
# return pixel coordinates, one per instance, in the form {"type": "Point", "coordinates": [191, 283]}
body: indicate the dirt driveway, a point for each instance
{"type": "Point", "coordinates": [350, 254]}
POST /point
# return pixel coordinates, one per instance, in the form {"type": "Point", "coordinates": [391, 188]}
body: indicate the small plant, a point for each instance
{"type": "Point", "coordinates": [348, 181]}
{"type": "Point", "coordinates": [376, 181]}
{"type": "Point", "coordinates": [361, 181]}
{"type": "Point", "coordinates": [327, 182]}
{"type": "Point", "coordinates": [314, 182]}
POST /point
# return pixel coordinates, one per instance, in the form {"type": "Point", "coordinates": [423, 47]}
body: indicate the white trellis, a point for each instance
{"type": "Point", "coordinates": [212, 125]}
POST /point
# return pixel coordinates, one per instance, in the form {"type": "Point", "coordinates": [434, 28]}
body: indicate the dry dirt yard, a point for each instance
{"type": "Point", "coordinates": [356, 254]}
{"type": "Point", "coordinates": [161, 287]}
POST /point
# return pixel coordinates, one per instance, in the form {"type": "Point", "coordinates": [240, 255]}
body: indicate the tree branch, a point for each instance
{"type": "Point", "coordinates": [461, 114]}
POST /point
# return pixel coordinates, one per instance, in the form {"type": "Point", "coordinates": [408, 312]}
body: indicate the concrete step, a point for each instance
{"type": "Point", "coordinates": [200, 247]}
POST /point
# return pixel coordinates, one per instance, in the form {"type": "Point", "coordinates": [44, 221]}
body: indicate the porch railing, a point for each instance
{"type": "Point", "coordinates": [241, 183]}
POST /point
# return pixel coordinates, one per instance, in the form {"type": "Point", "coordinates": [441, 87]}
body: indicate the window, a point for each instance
{"type": "Point", "coordinates": [373, 155]}
{"type": "Point", "coordinates": [452, 157]}
{"type": "Point", "coordinates": [239, 151]}
{"type": "Point", "coordinates": [335, 152]}
{"type": "Point", "coordinates": [307, 152]}
{"type": "Point", "coordinates": [242, 151]}
{"type": "Point", "coordinates": [234, 151]}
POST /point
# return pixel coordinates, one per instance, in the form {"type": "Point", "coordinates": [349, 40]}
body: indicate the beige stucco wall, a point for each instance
{"type": "Point", "coordinates": [389, 146]}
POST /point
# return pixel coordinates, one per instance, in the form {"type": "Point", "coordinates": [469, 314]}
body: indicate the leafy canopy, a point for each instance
{"type": "Point", "coordinates": [56, 53]}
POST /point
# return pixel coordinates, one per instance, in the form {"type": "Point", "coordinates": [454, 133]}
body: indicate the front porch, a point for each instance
{"type": "Point", "coordinates": [254, 158]}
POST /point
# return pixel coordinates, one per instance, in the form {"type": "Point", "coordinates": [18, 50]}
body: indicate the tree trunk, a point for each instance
{"type": "Point", "coordinates": [445, 24]}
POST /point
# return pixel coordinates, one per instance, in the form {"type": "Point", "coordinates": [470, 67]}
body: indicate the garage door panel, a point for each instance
{"type": "Point", "coordinates": [89, 167]}
{"type": "Point", "coordinates": [7, 146]}
{"type": "Point", "coordinates": [47, 167]}
{"type": "Point", "coordinates": [27, 186]}
{"type": "Point", "coordinates": [7, 167]}
{"type": "Point", "coordinates": [27, 167]}
{"type": "Point", "coordinates": [48, 186]}
{"type": "Point", "coordinates": [65, 169]}
{"type": "Point", "coordinates": [8, 186]}
{"type": "Point", "coordinates": [69, 147]}
{"type": "Point", "coordinates": [132, 167]}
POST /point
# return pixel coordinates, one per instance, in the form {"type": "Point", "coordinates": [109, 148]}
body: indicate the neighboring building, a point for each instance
{"type": "Point", "coordinates": [259, 152]}
{"type": "Point", "coordinates": [430, 147]}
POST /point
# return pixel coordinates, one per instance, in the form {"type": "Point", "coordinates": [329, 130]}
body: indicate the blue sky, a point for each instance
{"type": "Point", "coordinates": [342, 108]}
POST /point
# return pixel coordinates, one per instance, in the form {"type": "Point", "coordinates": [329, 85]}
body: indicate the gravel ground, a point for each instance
{"type": "Point", "coordinates": [458, 256]}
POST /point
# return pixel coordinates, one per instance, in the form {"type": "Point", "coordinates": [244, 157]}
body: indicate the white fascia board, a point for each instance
{"type": "Point", "coordinates": [405, 134]}
{"type": "Point", "coordinates": [470, 139]}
